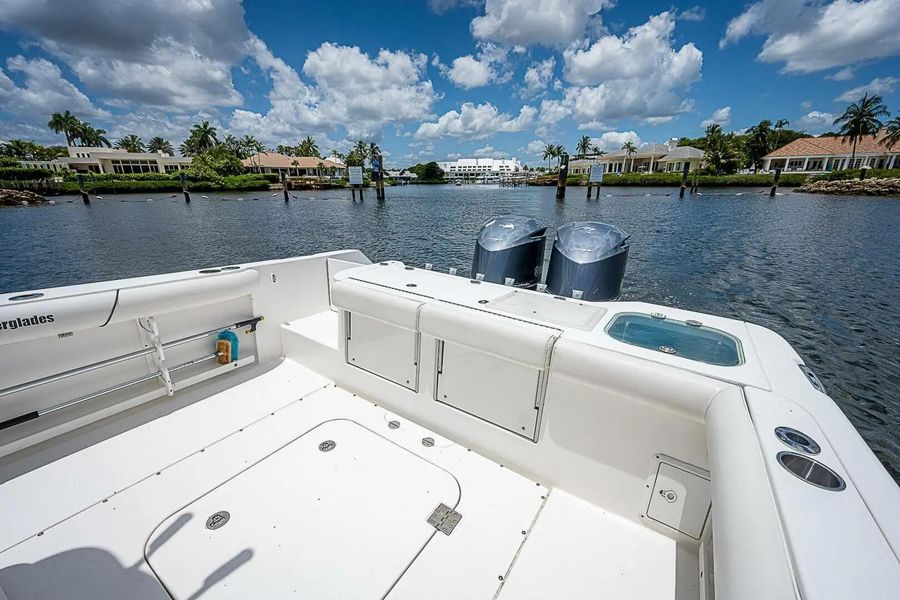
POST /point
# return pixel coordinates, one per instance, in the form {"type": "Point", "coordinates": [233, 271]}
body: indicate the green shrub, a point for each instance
{"type": "Point", "coordinates": [24, 173]}
{"type": "Point", "coordinates": [232, 183]}
{"type": "Point", "coordinates": [248, 181]}
{"type": "Point", "coordinates": [218, 159]}
{"type": "Point", "coordinates": [107, 177]}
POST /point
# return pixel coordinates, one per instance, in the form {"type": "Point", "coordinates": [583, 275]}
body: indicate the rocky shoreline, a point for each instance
{"type": "Point", "coordinates": [19, 197]}
{"type": "Point", "coordinates": [854, 187]}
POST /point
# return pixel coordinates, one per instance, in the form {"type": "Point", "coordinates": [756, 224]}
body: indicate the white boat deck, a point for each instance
{"type": "Point", "coordinates": [121, 513]}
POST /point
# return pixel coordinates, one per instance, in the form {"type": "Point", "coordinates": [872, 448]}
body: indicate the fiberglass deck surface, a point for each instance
{"type": "Point", "coordinates": [86, 525]}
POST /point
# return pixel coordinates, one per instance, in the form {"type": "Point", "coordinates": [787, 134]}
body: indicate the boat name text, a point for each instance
{"type": "Point", "coordinates": [26, 322]}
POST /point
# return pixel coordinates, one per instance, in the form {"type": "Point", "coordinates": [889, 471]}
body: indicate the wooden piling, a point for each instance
{"type": "Point", "coordinates": [695, 185]}
{"type": "Point", "coordinates": [775, 182]}
{"type": "Point", "coordinates": [284, 186]}
{"type": "Point", "coordinates": [84, 196]}
{"type": "Point", "coordinates": [684, 176]}
{"type": "Point", "coordinates": [184, 188]}
{"type": "Point", "coordinates": [563, 175]}
{"type": "Point", "coordinates": [378, 176]}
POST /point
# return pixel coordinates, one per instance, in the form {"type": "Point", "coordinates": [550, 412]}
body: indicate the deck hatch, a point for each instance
{"type": "Point", "coordinates": [304, 523]}
{"type": "Point", "coordinates": [690, 339]}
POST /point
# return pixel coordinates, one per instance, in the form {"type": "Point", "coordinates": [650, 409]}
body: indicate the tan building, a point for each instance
{"type": "Point", "coordinates": [822, 154]}
{"type": "Point", "coordinates": [295, 166]}
{"type": "Point", "coordinates": [86, 159]}
{"type": "Point", "coordinates": [649, 158]}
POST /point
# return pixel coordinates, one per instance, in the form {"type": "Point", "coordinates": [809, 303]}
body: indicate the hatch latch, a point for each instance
{"type": "Point", "coordinates": [444, 519]}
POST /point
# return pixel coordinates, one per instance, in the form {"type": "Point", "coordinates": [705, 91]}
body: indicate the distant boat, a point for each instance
{"type": "Point", "coordinates": [458, 183]}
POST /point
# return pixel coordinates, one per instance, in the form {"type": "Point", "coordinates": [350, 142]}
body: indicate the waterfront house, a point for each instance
{"type": "Point", "coordinates": [84, 159]}
{"type": "Point", "coordinates": [480, 169]}
{"type": "Point", "coordinates": [675, 161]}
{"type": "Point", "coordinates": [403, 176]}
{"type": "Point", "coordinates": [295, 166]}
{"type": "Point", "coordinates": [649, 158]}
{"type": "Point", "coordinates": [822, 154]}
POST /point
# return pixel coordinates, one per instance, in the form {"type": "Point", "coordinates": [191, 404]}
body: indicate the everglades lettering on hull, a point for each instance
{"type": "Point", "coordinates": [26, 322]}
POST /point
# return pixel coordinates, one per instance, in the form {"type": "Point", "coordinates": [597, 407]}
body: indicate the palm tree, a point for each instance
{"type": "Point", "coordinates": [558, 153]}
{"type": "Point", "coordinates": [233, 146]}
{"type": "Point", "coordinates": [779, 125]}
{"type": "Point", "coordinates": [90, 136]}
{"type": "Point", "coordinates": [204, 136]}
{"type": "Point", "coordinates": [67, 123]}
{"type": "Point", "coordinates": [308, 147]}
{"type": "Point", "coordinates": [629, 149]}
{"type": "Point", "coordinates": [861, 119]}
{"type": "Point", "coordinates": [20, 149]}
{"type": "Point", "coordinates": [373, 151]}
{"type": "Point", "coordinates": [549, 152]}
{"type": "Point", "coordinates": [584, 146]}
{"type": "Point", "coordinates": [251, 147]}
{"type": "Point", "coordinates": [892, 128]}
{"type": "Point", "coordinates": [596, 151]}
{"type": "Point", "coordinates": [358, 153]}
{"type": "Point", "coordinates": [130, 143]}
{"type": "Point", "coordinates": [161, 145]}
{"type": "Point", "coordinates": [759, 141]}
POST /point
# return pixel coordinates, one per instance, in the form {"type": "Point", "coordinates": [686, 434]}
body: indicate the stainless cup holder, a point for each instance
{"type": "Point", "coordinates": [811, 471]}
{"type": "Point", "coordinates": [797, 440]}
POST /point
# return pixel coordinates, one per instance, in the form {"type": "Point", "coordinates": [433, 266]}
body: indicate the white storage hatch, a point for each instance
{"type": "Point", "coordinates": [340, 512]}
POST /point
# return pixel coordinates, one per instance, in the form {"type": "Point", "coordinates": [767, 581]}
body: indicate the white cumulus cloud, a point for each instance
{"type": "Point", "coordinates": [348, 87]}
{"type": "Point", "coordinates": [141, 52]}
{"type": "Point", "coordinates": [817, 120]}
{"type": "Point", "coordinates": [814, 36]}
{"type": "Point", "coordinates": [489, 66]}
{"type": "Point", "coordinates": [845, 74]}
{"type": "Point", "coordinates": [44, 91]}
{"type": "Point", "coordinates": [538, 76]}
{"type": "Point", "coordinates": [535, 22]}
{"type": "Point", "coordinates": [639, 74]}
{"type": "Point", "coordinates": [489, 152]}
{"type": "Point", "coordinates": [476, 121]}
{"type": "Point", "coordinates": [614, 140]}
{"type": "Point", "coordinates": [720, 117]}
{"type": "Point", "coordinates": [879, 86]}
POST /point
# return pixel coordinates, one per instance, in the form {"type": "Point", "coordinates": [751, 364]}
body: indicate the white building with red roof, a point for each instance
{"type": "Point", "coordinates": [822, 154]}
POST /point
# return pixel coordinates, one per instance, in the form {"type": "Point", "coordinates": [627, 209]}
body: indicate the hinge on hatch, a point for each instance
{"type": "Point", "coordinates": [444, 519]}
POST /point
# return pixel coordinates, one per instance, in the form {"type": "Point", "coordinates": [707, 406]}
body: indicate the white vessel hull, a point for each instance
{"type": "Point", "coordinates": [389, 432]}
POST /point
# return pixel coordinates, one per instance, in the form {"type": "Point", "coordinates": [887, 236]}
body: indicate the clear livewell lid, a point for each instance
{"type": "Point", "coordinates": [689, 340]}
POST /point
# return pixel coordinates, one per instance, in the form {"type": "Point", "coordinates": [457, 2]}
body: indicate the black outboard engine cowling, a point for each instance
{"type": "Point", "coordinates": [510, 246]}
{"type": "Point", "coordinates": [588, 258]}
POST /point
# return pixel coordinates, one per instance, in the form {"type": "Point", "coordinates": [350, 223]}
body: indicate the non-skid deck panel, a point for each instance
{"type": "Point", "coordinates": [340, 498]}
{"type": "Point", "coordinates": [99, 552]}
{"type": "Point", "coordinates": [577, 551]}
{"type": "Point", "coordinates": [58, 490]}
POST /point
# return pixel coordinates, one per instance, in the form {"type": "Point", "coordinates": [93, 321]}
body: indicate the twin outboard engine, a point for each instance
{"type": "Point", "coordinates": [510, 247]}
{"type": "Point", "coordinates": [588, 261]}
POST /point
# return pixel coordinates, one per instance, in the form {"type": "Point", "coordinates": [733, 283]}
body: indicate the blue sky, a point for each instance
{"type": "Point", "coordinates": [432, 79]}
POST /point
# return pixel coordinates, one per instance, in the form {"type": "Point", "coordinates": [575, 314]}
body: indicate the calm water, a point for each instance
{"type": "Point", "coordinates": [822, 271]}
